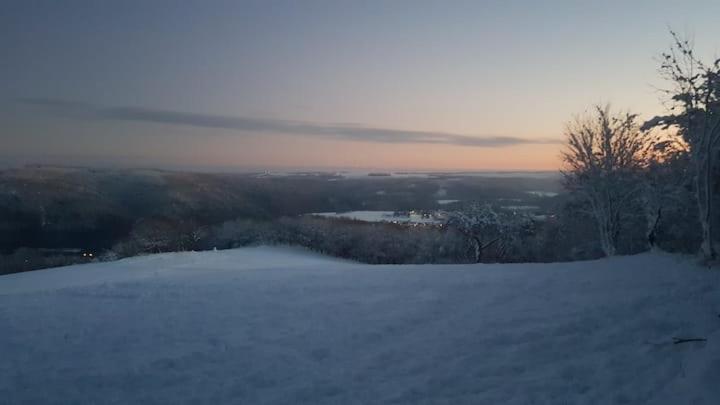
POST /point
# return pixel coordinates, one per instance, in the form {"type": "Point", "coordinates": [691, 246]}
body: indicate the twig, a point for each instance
{"type": "Point", "coordinates": [685, 340]}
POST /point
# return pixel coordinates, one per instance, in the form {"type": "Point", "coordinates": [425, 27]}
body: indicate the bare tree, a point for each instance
{"type": "Point", "coordinates": [480, 224]}
{"type": "Point", "coordinates": [492, 233]}
{"type": "Point", "coordinates": [664, 180]}
{"type": "Point", "coordinates": [695, 113]}
{"type": "Point", "coordinates": [603, 157]}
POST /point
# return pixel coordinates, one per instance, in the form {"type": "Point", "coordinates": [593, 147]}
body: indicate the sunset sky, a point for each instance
{"type": "Point", "coordinates": [441, 85]}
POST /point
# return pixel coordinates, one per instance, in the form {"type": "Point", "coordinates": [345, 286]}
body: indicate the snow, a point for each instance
{"type": "Point", "coordinates": [520, 207]}
{"type": "Point", "coordinates": [380, 216]}
{"type": "Point", "coordinates": [279, 325]}
{"type": "Point", "coordinates": [538, 193]}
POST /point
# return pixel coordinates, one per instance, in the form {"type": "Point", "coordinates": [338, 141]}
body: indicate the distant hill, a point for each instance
{"type": "Point", "coordinates": [86, 208]}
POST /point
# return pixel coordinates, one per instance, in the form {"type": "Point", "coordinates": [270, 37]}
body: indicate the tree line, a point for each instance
{"type": "Point", "coordinates": [620, 169]}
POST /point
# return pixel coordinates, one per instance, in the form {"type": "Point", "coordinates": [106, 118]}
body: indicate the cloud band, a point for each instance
{"type": "Point", "coordinates": [261, 125]}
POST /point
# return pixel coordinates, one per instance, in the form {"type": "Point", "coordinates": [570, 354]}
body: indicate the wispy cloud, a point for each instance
{"type": "Point", "coordinates": [246, 125]}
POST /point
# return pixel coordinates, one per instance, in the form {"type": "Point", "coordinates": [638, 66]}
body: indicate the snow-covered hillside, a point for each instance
{"type": "Point", "coordinates": [283, 326]}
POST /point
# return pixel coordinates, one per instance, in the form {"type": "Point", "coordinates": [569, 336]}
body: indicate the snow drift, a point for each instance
{"type": "Point", "coordinates": [279, 326]}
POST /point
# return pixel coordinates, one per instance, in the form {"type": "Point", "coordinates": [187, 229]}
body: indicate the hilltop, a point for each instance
{"type": "Point", "coordinates": [281, 325]}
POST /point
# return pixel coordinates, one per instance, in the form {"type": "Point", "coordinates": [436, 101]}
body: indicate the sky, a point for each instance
{"type": "Point", "coordinates": [396, 85]}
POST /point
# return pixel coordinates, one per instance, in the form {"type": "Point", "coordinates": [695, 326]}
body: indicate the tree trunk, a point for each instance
{"type": "Point", "coordinates": [608, 248]}
{"type": "Point", "coordinates": [478, 249]}
{"type": "Point", "coordinates": [607, 244]}
{"type": "Point", "coordinates": [704, 197]}
{"type": "Point", "coordinates": [651, 235]}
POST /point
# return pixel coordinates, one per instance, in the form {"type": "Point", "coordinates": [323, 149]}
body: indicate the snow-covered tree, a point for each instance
{"type": "Point", "coordinates": [664, 181]}
{"type": "Point", "coordinates": [695, 113]}
{"type": "Point", "coordinates": [603, 158]}
{"type": "Point", "coordinates": [479, 223]}
{"type": "Point", "coordinates": [487, 228]}
{"type": "Point", "coordinates": [154, 235]}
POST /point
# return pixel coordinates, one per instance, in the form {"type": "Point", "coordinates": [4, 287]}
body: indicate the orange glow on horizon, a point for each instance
{"type": "Point", "coordinates": [317, 153]}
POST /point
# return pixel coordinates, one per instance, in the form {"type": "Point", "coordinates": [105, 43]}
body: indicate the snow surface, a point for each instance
{"type": "Point", "coordinates": [520, 207]}
{"type": "Point", "coordinates": [538, 193]}
{"type": "Point", "coordinates": [284, 326]}
{"type": "Point", "coordinates": [379, 216]}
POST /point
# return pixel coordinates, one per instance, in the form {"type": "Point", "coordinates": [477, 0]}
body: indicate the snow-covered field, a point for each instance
{"type": "Point", "coordinates": [538, 193]}
{"type": "Point", "coordinates": [520, 207]}
{"type": "Point", "coordinates": [380, 216]}
{"type": "Point", "coordinates": [283, 326]}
